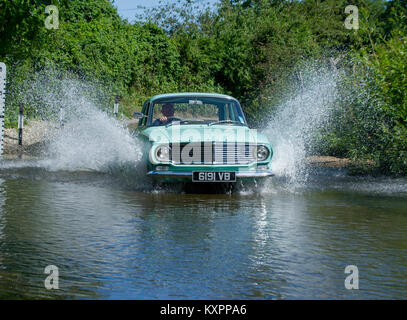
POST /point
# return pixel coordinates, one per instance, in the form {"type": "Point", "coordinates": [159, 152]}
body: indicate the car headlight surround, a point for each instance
{"type": "Point", "coordinates": [262, 153]}
{"type": "Point", "coordinates": [162, 153]}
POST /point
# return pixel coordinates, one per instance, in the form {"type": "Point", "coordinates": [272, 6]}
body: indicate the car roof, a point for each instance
{"type": "Point", "coordinates": [192, 94]}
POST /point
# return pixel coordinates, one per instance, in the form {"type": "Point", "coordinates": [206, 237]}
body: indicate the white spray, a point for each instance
{"type": "Point", "coordinates": [89, 138]}
{"type": "Point", "coordinates": [293, 125]}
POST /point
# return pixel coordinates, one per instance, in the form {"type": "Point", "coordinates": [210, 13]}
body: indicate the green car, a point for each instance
{"type": "Point", "coordinates": [201, 137]}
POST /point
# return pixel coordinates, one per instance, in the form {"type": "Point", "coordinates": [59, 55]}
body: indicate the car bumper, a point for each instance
{"type": "Point", "coordinates": [188, 174]}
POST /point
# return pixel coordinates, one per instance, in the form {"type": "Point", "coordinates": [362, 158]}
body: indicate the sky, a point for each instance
{"type": "Point", "coordinates": [129, 8]}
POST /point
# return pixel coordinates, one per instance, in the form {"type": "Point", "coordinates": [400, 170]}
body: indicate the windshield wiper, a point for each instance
{"type": "Point", "coordinates": [225, 121]}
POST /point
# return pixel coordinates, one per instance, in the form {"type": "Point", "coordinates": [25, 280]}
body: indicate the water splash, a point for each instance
{"type": "Point", "coordinates": [95, 142]}
{"type": "Point", "coordinates": [88, 138]}
{"type": "Point", "coordinates": [298, 119]}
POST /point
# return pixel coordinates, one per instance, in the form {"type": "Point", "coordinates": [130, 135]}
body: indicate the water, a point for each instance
{"type": "Point", "coordinates": [111, 241]}
{"type": "Point", "coordinates": [86, 207]}
{"type": "Point", "coordinates": [299, 117]}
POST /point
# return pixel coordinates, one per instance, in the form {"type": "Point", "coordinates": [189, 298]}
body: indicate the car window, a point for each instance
{"type": "Point", "coordinates": [143, 121]}
{"type": "Point", "coordinates": [204, 112]}
{"type": "Point", "coordinates": [189, 110]}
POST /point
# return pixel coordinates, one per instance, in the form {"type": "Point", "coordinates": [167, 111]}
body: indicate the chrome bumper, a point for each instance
{"type": "Point", "coordinates": [188, 174]}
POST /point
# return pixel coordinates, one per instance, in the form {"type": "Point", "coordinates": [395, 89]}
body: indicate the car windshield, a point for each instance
{"type": "Point", "coordinates": [193, 110]}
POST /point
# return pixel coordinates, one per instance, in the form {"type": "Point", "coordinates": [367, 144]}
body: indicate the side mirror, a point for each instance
{"type": "Point", "coordinates": [138, 115]}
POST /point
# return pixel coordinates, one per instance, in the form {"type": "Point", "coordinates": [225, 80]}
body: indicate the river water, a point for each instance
{"type": "Point", "coordinates": [86, 207]}
{"type": "Point", "coordinates": [112, 240]}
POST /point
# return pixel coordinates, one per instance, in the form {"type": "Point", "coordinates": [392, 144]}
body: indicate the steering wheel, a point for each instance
{"type": "Point", "coordinates": [170, 119]}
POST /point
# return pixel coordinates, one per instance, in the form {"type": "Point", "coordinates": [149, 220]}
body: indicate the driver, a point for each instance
{"type": "Point", "coordinates": [168, 114]}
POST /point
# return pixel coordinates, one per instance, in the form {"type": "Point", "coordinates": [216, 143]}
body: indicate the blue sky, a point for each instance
{"type": "Point", "coordinates": [129, 8]}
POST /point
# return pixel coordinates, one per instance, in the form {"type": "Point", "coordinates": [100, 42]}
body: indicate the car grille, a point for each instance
{"type": "Point", "coordinates": [212, 153]}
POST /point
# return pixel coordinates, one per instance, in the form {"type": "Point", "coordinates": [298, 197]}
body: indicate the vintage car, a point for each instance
{"type": "Point", "coordinates": [201, 137]}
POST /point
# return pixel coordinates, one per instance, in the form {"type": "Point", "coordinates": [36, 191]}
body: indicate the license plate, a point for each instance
{"type": "Point", "coordinates": [213, 176]}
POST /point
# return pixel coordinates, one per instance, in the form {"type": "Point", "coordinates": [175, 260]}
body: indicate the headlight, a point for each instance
{"type": "Point", "coordinates": [163, 153]}
{"type": "Point", "coordinates": [262, 153]}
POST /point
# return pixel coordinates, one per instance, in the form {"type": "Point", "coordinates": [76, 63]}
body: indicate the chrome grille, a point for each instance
{"type": "Point", "coordinates": [212, 153]}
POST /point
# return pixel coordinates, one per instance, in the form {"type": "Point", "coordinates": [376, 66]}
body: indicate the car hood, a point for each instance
{"type": "Point", "coordinates": [203, 133]}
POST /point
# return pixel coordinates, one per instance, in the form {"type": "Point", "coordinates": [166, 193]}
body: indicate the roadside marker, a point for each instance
{"type": "Point", "coordinates": [116, 106]}
{"type": "Point", "coordinates": [20, 125]}
{"type": "Point", "coordinates": [2, 102]}
{"type": "Point", "coordinates": [61, 116]}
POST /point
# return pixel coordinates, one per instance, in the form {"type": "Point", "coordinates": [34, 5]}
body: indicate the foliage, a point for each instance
{"type": "Point", "coordinates": [391, 75]}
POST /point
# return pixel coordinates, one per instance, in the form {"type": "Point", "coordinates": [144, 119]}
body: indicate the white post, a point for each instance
{"type": "Point", "coordinates": [2, 102]}
{"type": "Point", "coordinates": [61, 116]}
{"type": "Point", "coordinates": [20, 125]}
{"type": "Point", "coordinates": [116, 106]}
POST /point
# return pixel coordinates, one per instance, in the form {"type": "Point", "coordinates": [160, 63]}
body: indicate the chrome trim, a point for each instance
{"type": "Point", "coordinates": [255, 174]}
{"type": "Point", "coordinates": [188, 174]}
{"type": "Point", "coordinates": [217, 153]}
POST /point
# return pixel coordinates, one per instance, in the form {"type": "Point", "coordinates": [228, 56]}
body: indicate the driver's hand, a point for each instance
{"type": "Point", "coordinates": [163, 119]}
